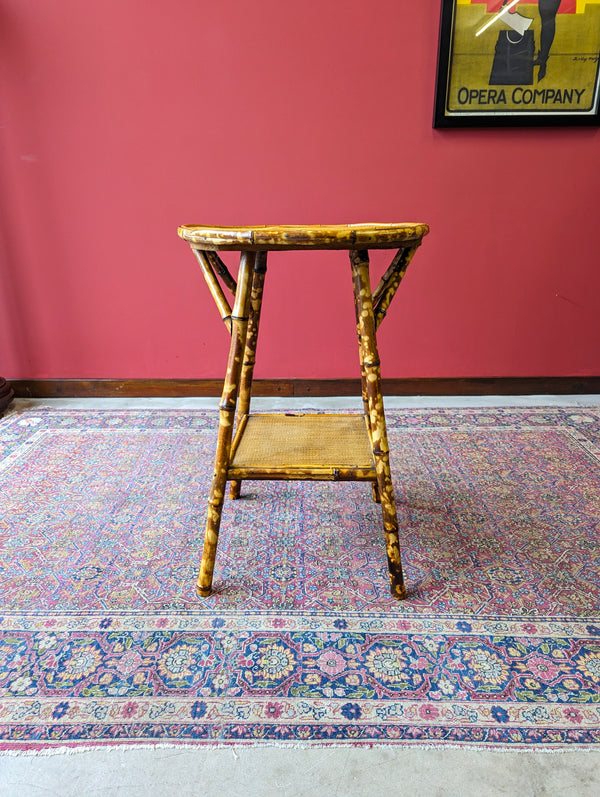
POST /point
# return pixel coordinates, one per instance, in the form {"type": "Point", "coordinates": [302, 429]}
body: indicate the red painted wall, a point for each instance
{"type": "Point", "coordinates": [122, 119]}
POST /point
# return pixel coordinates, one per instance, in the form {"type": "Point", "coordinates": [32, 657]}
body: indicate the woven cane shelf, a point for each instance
{"type": "Point", "coordinates": [302, 446]}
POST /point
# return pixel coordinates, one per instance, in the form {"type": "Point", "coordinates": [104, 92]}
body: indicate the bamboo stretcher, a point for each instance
{"type": "Point", "coordinates": [325, 447]}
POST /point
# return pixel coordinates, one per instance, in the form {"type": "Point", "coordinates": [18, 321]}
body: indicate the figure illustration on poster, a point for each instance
{"type": "Point", "coordinates": [548, 10]}
{"type": "Point", "coordinates": [514, 54]}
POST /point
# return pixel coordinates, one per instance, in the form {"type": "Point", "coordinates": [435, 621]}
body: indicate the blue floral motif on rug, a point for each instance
{"type": "Point", "coordinates": [103, 640]}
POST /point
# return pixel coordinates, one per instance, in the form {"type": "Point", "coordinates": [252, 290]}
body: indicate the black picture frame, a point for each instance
{"type": "Point", "coordinates": [472, 66]}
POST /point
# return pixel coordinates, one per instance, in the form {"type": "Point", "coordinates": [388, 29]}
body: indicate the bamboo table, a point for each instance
{"type": "Point", "coordinates": [331, 447]}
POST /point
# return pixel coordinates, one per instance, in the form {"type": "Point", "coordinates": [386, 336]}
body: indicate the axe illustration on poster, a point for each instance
{"type": "Point", "coordinates": [534, 61]}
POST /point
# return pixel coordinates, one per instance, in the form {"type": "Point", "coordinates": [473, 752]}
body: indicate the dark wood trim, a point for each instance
{"type": "Point", "coordinates": [148, 388]}
{"type": "Point", "coordinates": [137, 388]}
{"type": "Point", "coordinates": [454, 386]}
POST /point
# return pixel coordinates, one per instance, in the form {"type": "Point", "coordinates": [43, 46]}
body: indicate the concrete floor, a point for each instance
{"type": "Point", "coordinates": [270, 771]}
{"type": "Point", "coordinates": [335, 772]}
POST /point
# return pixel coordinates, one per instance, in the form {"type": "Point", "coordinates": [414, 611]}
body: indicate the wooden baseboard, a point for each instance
{"type": "Point", "coordinates": [172, 388]}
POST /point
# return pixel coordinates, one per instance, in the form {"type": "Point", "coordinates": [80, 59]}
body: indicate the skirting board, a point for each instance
{"type": "Point", "coordinates": [477, 386]}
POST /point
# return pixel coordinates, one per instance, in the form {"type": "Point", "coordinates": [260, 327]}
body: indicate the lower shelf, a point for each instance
{"type": "Point", "coordinates": [322, 447]}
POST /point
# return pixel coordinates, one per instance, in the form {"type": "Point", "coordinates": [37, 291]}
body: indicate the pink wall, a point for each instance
{"type": "Point", "coordinates": [122, 119]}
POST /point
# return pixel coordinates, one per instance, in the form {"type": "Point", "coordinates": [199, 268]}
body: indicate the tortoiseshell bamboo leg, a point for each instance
{"type": "Point", "coordinates": [239, 318]}
{"type": "Point", "coordinates": [365, 400]}
{"type": "Point", "coordinates": [258, 281]}
{"type": "Point", "coordinates": [374, 488]}
{"type": "Point", "coordinates": [369, 356]}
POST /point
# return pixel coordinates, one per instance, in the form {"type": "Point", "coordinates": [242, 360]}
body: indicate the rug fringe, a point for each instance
{"type": "Point", "coordinates": [449, 747]}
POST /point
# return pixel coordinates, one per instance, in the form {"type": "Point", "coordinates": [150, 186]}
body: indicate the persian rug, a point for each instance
{"type": "Point", "coordinates": [103, 640]}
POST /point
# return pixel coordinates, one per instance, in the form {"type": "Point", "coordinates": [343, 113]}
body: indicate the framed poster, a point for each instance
{"type": "Point", "coordinates": [518, 62]}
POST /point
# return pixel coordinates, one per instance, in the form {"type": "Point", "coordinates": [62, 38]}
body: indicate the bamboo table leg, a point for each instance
{"type": "Point", "coordinates": [364, 392]}
{"type": "Point", "coordinates": [370, 363]}
{"type": "Point", "coordinates": [258, 281]}
{"type": "Point", "coordinates": [239, 319]}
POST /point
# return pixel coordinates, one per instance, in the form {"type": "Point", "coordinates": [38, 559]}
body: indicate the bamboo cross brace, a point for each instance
{"type": "Point", "coordinates": [222, 270]}
{"type": "Point", "coordinates": [388, 284]}
{"type": "Point", "coordinates": [367, 339]}
{"type": "Point", "coordinates": [214, 287]}
{"type": "Point", "coordinates": [227, 407]}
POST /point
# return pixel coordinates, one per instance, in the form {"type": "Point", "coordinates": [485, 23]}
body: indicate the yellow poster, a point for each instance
{"type": "Point", "coordinates": [518, 61]}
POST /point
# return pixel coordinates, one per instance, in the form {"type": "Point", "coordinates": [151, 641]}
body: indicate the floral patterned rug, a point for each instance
{"type": "Point", "coordinates": [103, 640]}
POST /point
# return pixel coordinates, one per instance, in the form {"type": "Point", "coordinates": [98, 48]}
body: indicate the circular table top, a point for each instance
{"type": "Point", "coordinates": [301, 236]}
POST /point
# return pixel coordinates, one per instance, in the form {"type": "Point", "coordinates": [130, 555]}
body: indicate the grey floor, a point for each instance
{"type": "Point", "coordinates": [335, 772]}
